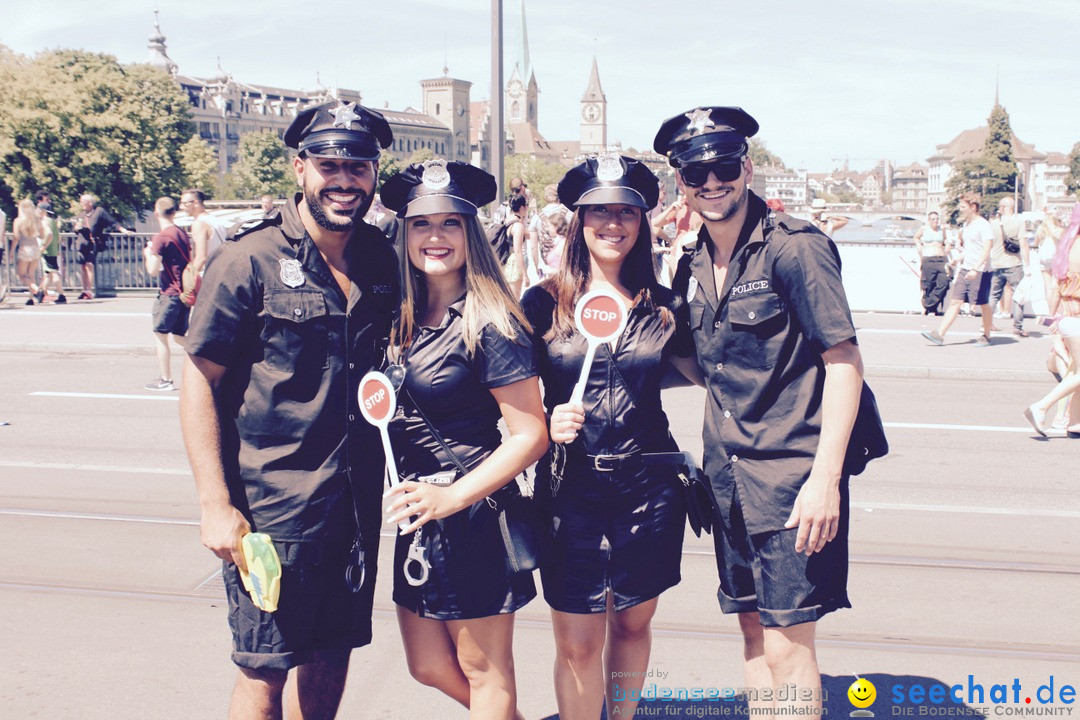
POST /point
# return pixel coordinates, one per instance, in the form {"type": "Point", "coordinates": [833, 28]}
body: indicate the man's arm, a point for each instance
{"type": "Point", "coordinates": [918, 240]}
{"type": "Point", "coordinates": [817, 506]}
{"type": "Point", "coordinates": [222, 525]}
{"type": "Point", "coordinates": [200, 238]}
{"type": "Point", "coordinates": [151, 259]}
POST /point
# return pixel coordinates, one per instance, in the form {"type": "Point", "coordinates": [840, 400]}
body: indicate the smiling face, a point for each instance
{"type": "Point", "coordinates": [967, 210]}
{"type": "Point", "coordinates": [862, 693]}
{"type": "Point", "coordinates": [611, 231]}
{"type": "Point", "coordinates": [718, 200]}
{"type": "Point", "coordinates": [336, 191]}
{"type": "Point", "coordinates": [436, 243]}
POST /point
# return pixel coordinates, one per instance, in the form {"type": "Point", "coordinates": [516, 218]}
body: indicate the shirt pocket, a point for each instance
{"type": "Point", "coordinates": [757, 324]}
{"type": "Point", "coordinates": [296, 334]}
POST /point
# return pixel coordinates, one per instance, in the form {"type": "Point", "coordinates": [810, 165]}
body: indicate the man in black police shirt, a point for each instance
{"type": "Point", "coordinates": [289, 318]}
{"type": "Point", "coordinates": [775, 340]}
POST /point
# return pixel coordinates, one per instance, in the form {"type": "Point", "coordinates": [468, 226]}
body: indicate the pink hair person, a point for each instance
{"type": "Point", "coordinates": [1060, 268]}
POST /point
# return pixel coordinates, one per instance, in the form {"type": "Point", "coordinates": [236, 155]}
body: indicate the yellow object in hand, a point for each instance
{"type": "Point", "coordinates": [263, 577]}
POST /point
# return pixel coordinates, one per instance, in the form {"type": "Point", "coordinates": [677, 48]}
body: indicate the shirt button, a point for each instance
{"type": "Point", "coordinates": [352, 366]}
{"type": "Point", "coordinates": [751, 315]}
{"type": "Point", "coordinates": [716, 324]}
{"type": "Point", "coordinates": [720, 367]}
{"type": "Point", "coordinates": [298, 312]}
{"type": "Point", "coordinates": [727, 413]}
{"type": "Point", "coordinates": [352, 418]}
{"type": "Point", "coordinates": [734, 458]}
{"type": "Point", "coordinates": [348, 469]}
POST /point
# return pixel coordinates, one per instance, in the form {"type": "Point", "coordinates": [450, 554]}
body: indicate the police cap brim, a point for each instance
{"type": "Point", "coordinates": [339, 144]}
{"type": "Point", "coordinates": [433, 204]}
{"type": "Point", "coordinates": [612, 196]}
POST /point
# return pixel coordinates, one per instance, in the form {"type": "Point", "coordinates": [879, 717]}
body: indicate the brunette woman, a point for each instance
{"type": "Point", "coordinates": [619, 517]}
{"type": "Point", "coordinates": [463, 346]}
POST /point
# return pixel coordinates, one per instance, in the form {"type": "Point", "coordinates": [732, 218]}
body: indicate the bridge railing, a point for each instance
{"type": "Point", "coordinates": [119, 267]}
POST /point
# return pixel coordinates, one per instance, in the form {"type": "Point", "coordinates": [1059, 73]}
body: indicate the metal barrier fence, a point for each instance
{"type": "Point", "coordinates": [117, 268]}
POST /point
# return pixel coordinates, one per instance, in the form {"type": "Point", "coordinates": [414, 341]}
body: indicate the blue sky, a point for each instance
{"type": "Point", "coordinates": [826, 80]}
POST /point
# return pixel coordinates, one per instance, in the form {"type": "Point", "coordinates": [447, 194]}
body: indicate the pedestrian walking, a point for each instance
{"type": "Point", "coordinates": [27, 248]}
{"type": "Point", "coordinates": [91, 226]}
{"type": "Point", "coordinates": [165, 256]}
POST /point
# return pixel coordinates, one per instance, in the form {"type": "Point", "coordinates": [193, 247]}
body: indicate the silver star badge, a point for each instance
{"type": "Point", "coordinates": [699, 120]}
{"type": "Point", "coordinates": [344, 115]}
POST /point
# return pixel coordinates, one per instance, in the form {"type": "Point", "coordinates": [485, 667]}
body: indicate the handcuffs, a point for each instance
{"type": "Point", "coordinates": [417, 553]}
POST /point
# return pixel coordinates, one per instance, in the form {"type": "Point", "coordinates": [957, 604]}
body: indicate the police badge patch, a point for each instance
{"type": "Point", "coordinates": [292, 272]}
{"type": "Point", "coordinates": [609, 168]}
{"type": "Point", "coordinates": [436, 176]}
{"type": "Point", "coordinates": [691, 289]}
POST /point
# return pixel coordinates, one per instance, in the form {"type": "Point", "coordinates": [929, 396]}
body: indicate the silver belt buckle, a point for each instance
{"type": "Point", "coordinates": [600, 460]}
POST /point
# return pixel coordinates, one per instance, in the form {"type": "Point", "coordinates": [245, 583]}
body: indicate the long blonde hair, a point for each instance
{"type": "Point", "coordinates": [488, 299]}
{"type": "Point", "coordinates": [1051, 227]}
{"type": "Point", "coordinates": [27, 223]}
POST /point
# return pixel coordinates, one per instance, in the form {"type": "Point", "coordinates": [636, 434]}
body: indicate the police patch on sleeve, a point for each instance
{"type": "Point", "coordinates": [691, 289]}
{"type": "Point", "coordinates": [292, 272]}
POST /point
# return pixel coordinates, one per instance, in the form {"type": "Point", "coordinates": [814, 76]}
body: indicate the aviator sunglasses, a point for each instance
{"type": "Point", "coordinates": [697, 174]}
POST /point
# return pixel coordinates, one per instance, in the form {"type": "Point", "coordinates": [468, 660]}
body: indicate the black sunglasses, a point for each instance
{"type": "Point", "coordinates": [697, 174]}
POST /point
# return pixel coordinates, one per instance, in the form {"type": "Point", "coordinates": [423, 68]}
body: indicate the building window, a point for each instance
{"type": "Point", "coordinates": [437, 106]}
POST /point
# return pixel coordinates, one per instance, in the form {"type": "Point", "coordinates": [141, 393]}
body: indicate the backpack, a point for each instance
{"type": "Point", "coordinates": [501, 241]}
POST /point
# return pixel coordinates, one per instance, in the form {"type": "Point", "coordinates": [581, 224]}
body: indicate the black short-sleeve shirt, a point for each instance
{"type": "Point", "coordinates": [759, 342]}
{"type": "Point", "coordinates": [295, 348]}
{"type": "Point", "coordinates": [453, 388]}
{"type": "Point", "coordinates": [623, 413]}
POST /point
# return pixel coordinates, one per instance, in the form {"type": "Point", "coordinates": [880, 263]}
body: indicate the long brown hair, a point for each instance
{"type": "Point", "coordinates": [572, 280]}
{"type": "Point", "coordinates": [488, 299]}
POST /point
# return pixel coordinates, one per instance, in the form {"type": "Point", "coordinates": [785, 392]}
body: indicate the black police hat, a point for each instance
{"type": "Point", "coordinates": [341, 130]}
{"type": "Point", "coordinates": [438, 186]}
{"type": "Point", "coordinates": [705, 133]}
{"type": "Point", "coordinates": [610, 179]}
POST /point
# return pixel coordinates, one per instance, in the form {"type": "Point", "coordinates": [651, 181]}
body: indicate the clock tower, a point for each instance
{"type": "Point", "coordinates": [593, 115]}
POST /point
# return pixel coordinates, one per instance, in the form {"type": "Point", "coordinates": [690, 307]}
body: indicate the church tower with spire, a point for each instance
{"type": "Point", "coordinates": [593, 115]}
{"type": "Point", "coordinates": [522, 92]}
{"type": "Point", "coordinates": [159, 57]}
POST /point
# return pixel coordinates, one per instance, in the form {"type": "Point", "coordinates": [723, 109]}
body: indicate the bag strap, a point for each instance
{"type": "Point", "coordinates": [438, 436]}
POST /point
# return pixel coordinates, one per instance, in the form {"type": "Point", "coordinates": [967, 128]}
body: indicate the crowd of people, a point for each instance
{"type": "Point", "coordinates": [293, 316]}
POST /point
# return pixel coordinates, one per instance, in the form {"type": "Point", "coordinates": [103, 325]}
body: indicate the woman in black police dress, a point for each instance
{"type": "Point", "coordinates": [468, 359]}
{"type": "Point", "coordinates": [618, 532]}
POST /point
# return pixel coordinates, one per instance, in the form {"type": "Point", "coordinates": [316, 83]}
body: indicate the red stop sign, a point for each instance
{"type": "Point", "coordinates": [601, 317]}
{"type": "Point", "coordinates": [376, 398]}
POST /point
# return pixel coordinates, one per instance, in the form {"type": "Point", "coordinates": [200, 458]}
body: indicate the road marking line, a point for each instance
{"type": "Point", "coordinates": [968, 510]}
{"type": "Point", "coordinates": [897, 331]}
{"type": "Point", "coordinates": [99, 516]}
{"type": "Point", "coordinates": [106, 396]}
{"type": "Point", "coordinates": [62, 313]}
{"type": "Point", "coordinates": [95, 468]}
{"type": "Point", "coordinates": [945, 426]}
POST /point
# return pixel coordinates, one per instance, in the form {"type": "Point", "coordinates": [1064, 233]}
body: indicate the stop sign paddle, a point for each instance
{"type": "Point", "coordinates": [600, 316]}
{"type": "Point", "coordinates": [378, 401]}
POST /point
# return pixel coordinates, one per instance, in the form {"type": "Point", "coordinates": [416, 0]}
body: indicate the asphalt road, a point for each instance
{"type": "Point", "coordinates": [964, 543]}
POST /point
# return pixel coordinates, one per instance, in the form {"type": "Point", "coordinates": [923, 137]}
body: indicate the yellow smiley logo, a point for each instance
{"type": "Point", "coordinates": [862, 693]}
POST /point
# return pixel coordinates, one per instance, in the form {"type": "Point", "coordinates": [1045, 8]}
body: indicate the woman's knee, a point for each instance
{"type": "Point", "coordinates": [432, 669]}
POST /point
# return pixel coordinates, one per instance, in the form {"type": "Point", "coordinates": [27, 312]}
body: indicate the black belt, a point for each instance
{"type": "Point", "coordinates": [632, 461]}
{"type": "Point", "coordinates": [933, 258]}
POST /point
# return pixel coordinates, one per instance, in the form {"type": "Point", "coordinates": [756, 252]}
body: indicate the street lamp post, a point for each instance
{"type": "Point", "coordinates": [498, 142]}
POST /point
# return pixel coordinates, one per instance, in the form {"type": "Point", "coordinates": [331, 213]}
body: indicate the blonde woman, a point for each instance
{"type": "Point", "coordinates": [27, 230]}
{"type": "Point", "coordinates": [464, 359]}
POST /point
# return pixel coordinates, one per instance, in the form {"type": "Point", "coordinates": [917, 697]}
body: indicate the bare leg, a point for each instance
{"type": "Point", "coordinates": [756, 673]}
{"type": "Point", "coordinates": [987, 319]}
{"type": "Point", "coordinates": [946, 322]}
{"type": "Point", "coordinates": [1069, 385]}
{"type": "Point", "coordinates": [257, 695]}
{"type": "Point", "coordinates": [792, 660]}
{"type": "Point", "coordinates": [88, 278]}
{"type": "Point", "coordinates": [626, 656]}
{"type": "Point", "coordinates": [431, 655]}
{"type": "Point", "coordinates": [579, 669]}
{"type": "Point", "coordinates": [315, 688]}
{"type": "Point", "coordinates": [485, 652]}
{"type": "Point", "coordinates": [164, 356]}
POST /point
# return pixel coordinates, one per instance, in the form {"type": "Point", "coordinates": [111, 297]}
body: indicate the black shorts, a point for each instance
{"type": "Point", "coordinates": [620, 531]}
{"type": "Point", "coordinates": [976, 291]}
{"type": "Point", "coordinates": [316, 610]}
{"type": "Point", "coordinates": [170, 315]}
{"type": "Point", "coordinates": [52, 263]}
{"type": "Point", "coordinates": [762, 573]}
{"type": "Point", "coordinates": [86, 250]}
{"type": "Point", "coordinates": [469, 575]}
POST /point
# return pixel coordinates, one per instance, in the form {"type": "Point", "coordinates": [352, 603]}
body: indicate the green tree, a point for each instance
{"type": "Point", "coordinates": [762, 156]}
{"type": "Point", "coordinates": [263, 167]}
{"type": "Point", "coordinates": [537, 174]}
{"type": "Point", "coordinates": [1072, 180]}
{"type": "Point", "coordinates": [73, 121]}
{"type": "Point", "coordinates": [200, 165]}
{"type": "Point", "coordinates": [992, 173]}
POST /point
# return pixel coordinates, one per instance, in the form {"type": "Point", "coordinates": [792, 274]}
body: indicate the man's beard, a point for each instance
{"type": "Point", "coordinates": [323, 220]}
{"type": "Point", "coordinates": [736, 203]}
